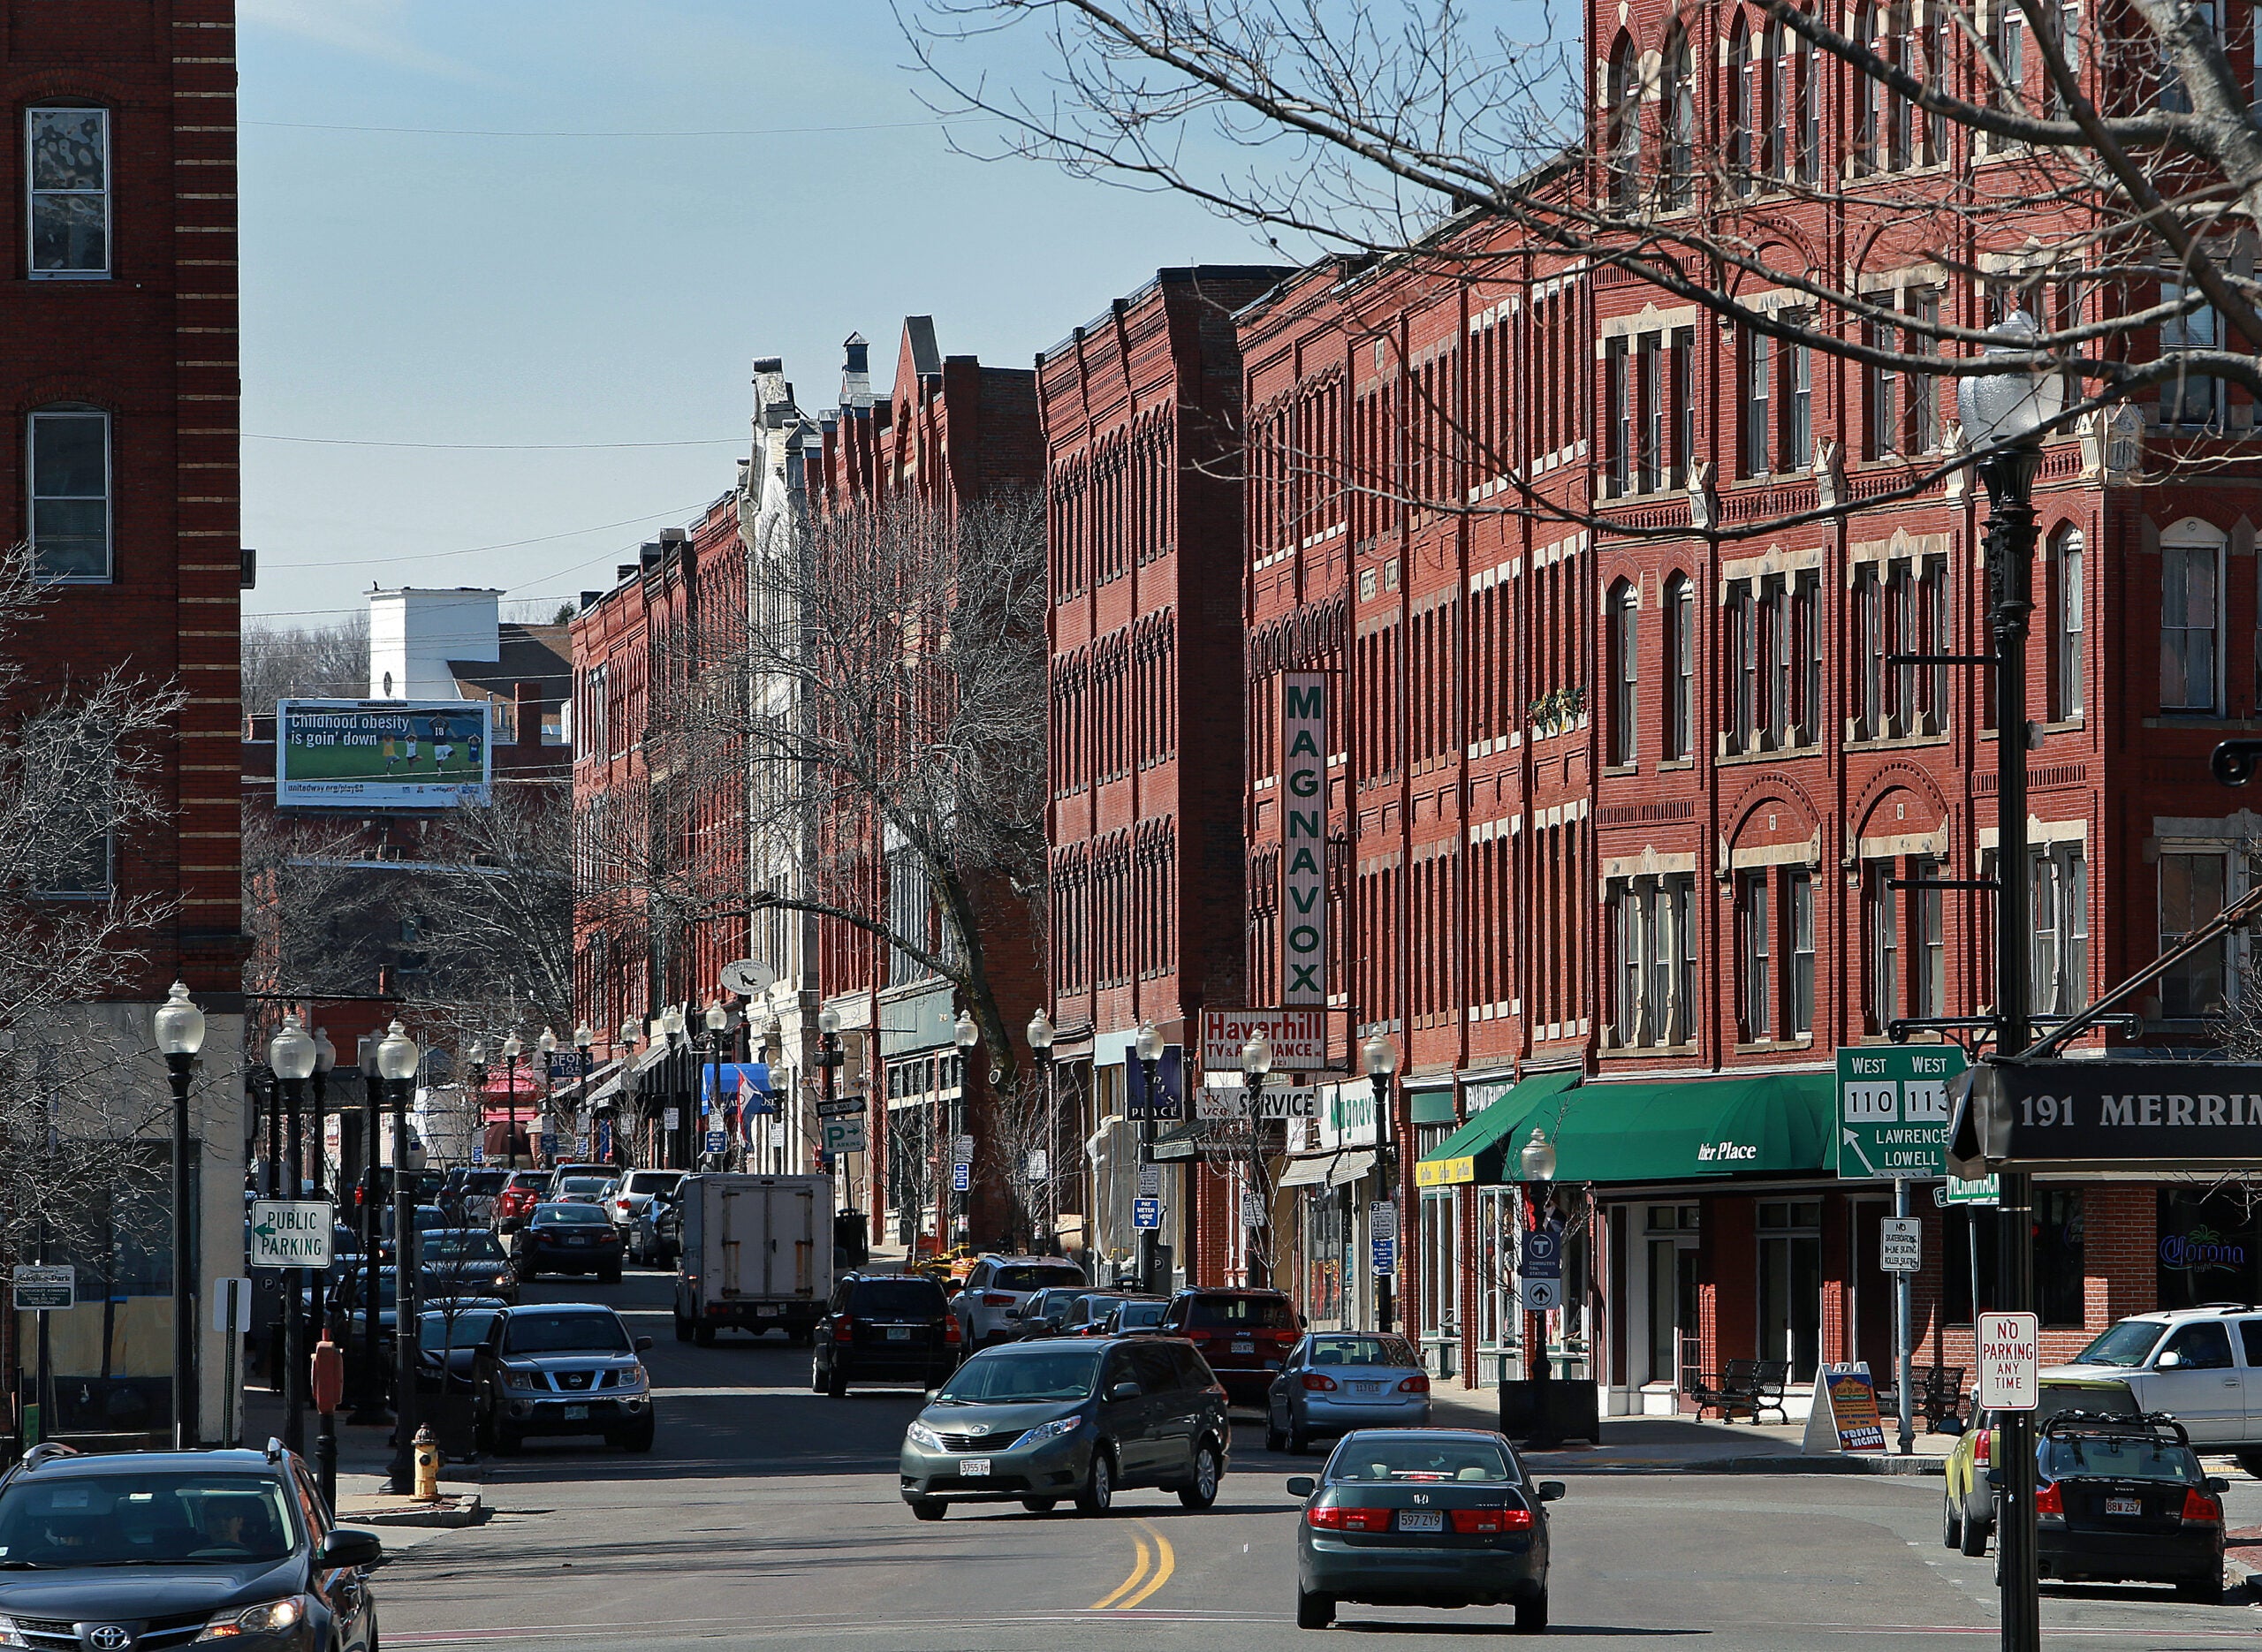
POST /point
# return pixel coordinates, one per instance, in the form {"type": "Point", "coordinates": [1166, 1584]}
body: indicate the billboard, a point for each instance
{"type": "Point", "coordinates": [381, 753]}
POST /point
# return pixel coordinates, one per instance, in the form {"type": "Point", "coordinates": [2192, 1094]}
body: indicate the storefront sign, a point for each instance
{"type": "Point", "coordinates": [1169, 1099]}
{"type": "Point", "coordinates": [1225, 1103]}
{"type": "Point", "coordinates": [1304, 834]}
{"type": "Point", "coordinates": [1893, 1111]}
{"type": "Point", "coordinates": [1347, 1115]}
{"type": "Point", "coordinates": [1445, 1172]}
{"type": "Point", "coordinates": [1298, 1037]}
{"type": "Point", "coordinates": [2135, 1115]}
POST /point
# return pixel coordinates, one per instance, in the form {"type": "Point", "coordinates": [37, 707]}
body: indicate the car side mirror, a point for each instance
{"type": "Point", "coordinates": [1302, 1485]}
{"type": "Point", "coordinates": [2168, 1362]}
{"type": "Point", "coordinates": [1552, 1491]}
{"type": "Point", "coordinates": [1124, 1390]}
{"type": "Point", "coordinates": [2216, 1488]}
{"type": "Point", "coordinates": [643, 1344]}
{"type": "Point", "coordinates": [349, 1545]}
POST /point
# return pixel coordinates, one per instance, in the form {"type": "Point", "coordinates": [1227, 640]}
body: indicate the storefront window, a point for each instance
{"type": "Point", "coordinates": [1440, 1265]}
{"type": "Point", "coordinates": [2060, 1278]}
{"type": "Point", "coordinates": [1496, 1322]}
{"type": "Point", "coordinates": [2209, 1250]}
{"type": "Point", "coordinates": [1790, 1284]}
{"type": "Point", "coordinates": [1672, 1300]}
{"type": "Point", "coordinates": [1323, 1228]}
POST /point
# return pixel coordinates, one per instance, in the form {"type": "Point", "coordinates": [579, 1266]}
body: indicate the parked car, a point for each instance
{"type": "Point", "coordinates": [2124, 1499]}
{"type": "Point", "coordinates": [634, 1190]}
{"type": "Point", "coordinates": [1244, 1334]}
{"type": "Point", "coordinates": [884, 1328]}
{"type": "Point", "coordinates": [569, 1368]}
{"type": "Point", "coordinates": [567, 1238]}
{"type": "Point", "coordinates": [996, 1287]}
{"type": "Point", "coordinates": [1422, 1517]}
{"type": "Point", "coordinates": [655, 1236]}
{"type": "Point", "coordinates": [1038, 1422]}
{"type": "Point", "coordinates": [1967, 1501]}
{"type": "Point", "coordinates": [209, 1545]}
{"type": "Point", "coordinates": [1042, 1314]}
{"type": "Point", "coordinates": [583, 1190]}
{"type": "Point", "coordinates": [519, 1195]}
{"type": "Point", "coordinates": [465, 1262]}
{"type": "Point", "coordinates": [558, 1175]}
{"type": "Point", "coordinates": [1134, 1316]}
{"type": "Point", "coordinates": [447, 1344]}
{"type": "Point", "coordinates": [426, 1216]}
{"type": "Point", "coordinates": [2202, 1365]}
{"type": "Point", "coordinates": [469, 1195]}
{"type": "Point", "coordinates": [1087, 1311]}
{"type": "Point", "coordinates": [1334, 1381]}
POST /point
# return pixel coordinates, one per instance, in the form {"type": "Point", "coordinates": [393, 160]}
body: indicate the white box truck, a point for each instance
{"type": "Point", "coordinates": [757, 1254]}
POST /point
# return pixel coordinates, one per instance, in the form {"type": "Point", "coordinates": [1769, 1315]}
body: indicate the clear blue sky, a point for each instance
{"type": "Point", "coordinates": [416, 287]}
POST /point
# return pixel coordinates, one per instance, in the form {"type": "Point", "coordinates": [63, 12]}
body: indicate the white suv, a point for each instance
{"type": "Point", "coordinates": [989, 1306]}
{"type": "Point", "coordinates": [634, 1191]}
{"type": "Point", "coordinates": [2201, 1365]}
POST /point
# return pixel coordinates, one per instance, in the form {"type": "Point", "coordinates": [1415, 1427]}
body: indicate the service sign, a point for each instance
{"type": "Point", "coordinates": [1303, 837]}
{"type": "Point", "coordinates": [382, 754]}
{"type": "Point", "coordinates": [1225, 1103]}
{"type": "Point", "coordinates": [1298, 1037]}
{"type": "Point", "coordinates": [43, 1287]}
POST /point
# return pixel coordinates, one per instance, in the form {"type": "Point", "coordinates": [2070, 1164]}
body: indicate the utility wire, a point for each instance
{"type": "Point", "coordinates": [720, 131]}
{"type": "Point", "coordinates": [508, 544]}
{"type": "Point", "coordinates": [495, 447]}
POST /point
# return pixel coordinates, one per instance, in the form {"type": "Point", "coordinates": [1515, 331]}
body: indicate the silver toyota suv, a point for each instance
{"type": "Point", "coordinates": [989, 1306]}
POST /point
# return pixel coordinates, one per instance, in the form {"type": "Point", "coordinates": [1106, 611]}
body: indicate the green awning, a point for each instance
{"type": "Point", "coordinates": [1474, 1152]}
{"type": "Point", "coordinates": [1774, 1124]}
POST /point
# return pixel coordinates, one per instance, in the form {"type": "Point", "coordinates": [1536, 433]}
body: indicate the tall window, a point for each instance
{"type": "Point", "coordinates": [70, 492]}
{"type": "Point", "coordinates": [1881, 431]}
{"type": "Point", "coordinates": [1743, 106]}
{"type": "Point", "coordinates": [2189, 602]}
{"type": "Point", "coordinates": [1927, 943]}
{"type": "Point", "coordinates": [1624, 664]}
{"type": "Point", "coordinates": [1798, 995]}
{"type": "Point", "coordinates": [1758, 373]}
{"type": "Point", "coordinates": [1680, 667]}
{"type": "Point", "coordinates": [1807, 89]}
{"type": "Point", "coordinates": [1881, 922]}
{"type": "Point", "coordinates": [2010, 51]}
{"type": "Point", "coordinates": [1653, 958]}
{"type": "Point", "coordinates": [1806, 655]}
{"type": "Point", "coordinates": [1625, 125]}
{"type": "Point", "coordinates": [1618, 428]}
{"type": "Point", "coordinates": [1782, 99]}
{"type": "Point", "coordinates": [68, 151]}
{"type": "Point", "coordinates": [1648, 468]}
{"type": "Point", "coordinates": [1798, 422]}
{"type": "Point", "coordinates": [1775, 620]}
{"type": "Point", "coordinates": [1868, 652]}
{"type": "Point", "coordinates": [2059, 902]}
{"type": "Point", "coordinates": [1680, 121]}
{"type": "Point", "coordinates": [1755, 967]}
{"type": "Point", "coordinates": [2069, 42]}
{"type": "Point", "coordinates": [1869, 116]}
{"type": "Point", "coordinates": [2191, 400]}
{"type": "Point", "coordinates": [1744, 664]}
{"type": "Point", "coordinates": [1922, 309]}
{"type": "Point", "coordinates": [2066, 625]}
{"type": "Point", "coordinates": [1684, 403]}
{"type": "Point", "coordinates": [2191, 894]}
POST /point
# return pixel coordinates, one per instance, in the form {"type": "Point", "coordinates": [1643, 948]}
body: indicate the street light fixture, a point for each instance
{"type": "Point", "coordinates": [369, 1401]}
{"type": "Point", "coordinates": [179, 1028]}
{"type": "Point", "coordinates": [1257, 1058]}
{"type": "Point", "coordinates": [292, 1055]}
{"type": "Point", "coordinates": [1147, 1044]}
{"type": "Point", "coordinates": [582, 1039]}
{"type": "Point", "coordinates": [1380, 1057]}
{"type": "Point", "coordinates": [398, 1059]}
{"type": "Point", "coordinates": [718, 1029]}
{"type": "Point", "coordinates": [548, 1045]}
{"type": "Point", "coordinates": [671, 1031]}
{"type": "Point", "coordinates": [511, 1050]}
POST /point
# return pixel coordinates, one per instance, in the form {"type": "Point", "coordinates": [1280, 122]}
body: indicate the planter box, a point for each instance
{"type": "Point", "coordinates": [1551, 1411]}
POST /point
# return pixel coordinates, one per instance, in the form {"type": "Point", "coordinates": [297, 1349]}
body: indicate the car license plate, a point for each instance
{"type": "Point", "coordinates": [2124, 1506]}
{"type": "Point", "coordinates": [974, 1467]}
{"type": "Point", "coordinates": [1244, 1347]}
{"type": "Point", "coordinates": [1366, 1388]}
{"type": "Point", "coordinates": [1421, 1520]}
{"type": "Point", "coordinates": [577, 1414]}
{"type": "Point", "coordinates": [899, 1333]}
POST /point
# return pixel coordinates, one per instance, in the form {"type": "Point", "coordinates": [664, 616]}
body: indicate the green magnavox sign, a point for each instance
{"type": "Point", "coordinates": [1303, 837]}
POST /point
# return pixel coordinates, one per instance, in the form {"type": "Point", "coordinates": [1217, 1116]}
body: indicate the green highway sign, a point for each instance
{"type": "Point", "coordinates": [1893, 1110]}
{"type": "Point", "coordinates": [1988, 1190]}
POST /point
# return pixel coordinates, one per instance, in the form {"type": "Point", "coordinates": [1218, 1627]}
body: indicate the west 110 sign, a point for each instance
{"type": "Point", "coordinates": [1893, 1110]}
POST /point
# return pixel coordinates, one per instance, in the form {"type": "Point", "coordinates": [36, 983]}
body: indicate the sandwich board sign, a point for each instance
{"type": "Point", "coordinates": [1845, 1416]}
{"type": "Point", "coordinates": [2010, 1361]}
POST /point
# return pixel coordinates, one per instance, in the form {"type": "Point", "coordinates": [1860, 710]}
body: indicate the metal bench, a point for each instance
{"type": "Point", "coordinates": [1748, 1386]}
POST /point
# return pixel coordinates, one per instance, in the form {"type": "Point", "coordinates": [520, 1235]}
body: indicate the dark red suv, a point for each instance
{"type": "Point", "coordinates": [1244, 1334]}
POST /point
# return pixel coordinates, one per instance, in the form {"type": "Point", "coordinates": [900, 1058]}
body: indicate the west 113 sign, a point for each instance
{"type": "Point", "coordinates": [1304, 829]}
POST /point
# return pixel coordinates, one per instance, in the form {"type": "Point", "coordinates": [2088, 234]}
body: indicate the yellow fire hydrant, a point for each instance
{"type": "Point", "coordinates": [428, 1464]}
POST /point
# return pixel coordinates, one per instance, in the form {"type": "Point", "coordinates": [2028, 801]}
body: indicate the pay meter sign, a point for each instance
{"type": "Point", "coordinates": [1893, 1111]}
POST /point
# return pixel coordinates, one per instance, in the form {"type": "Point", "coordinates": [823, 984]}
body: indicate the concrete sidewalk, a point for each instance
{"type": "Point", "coordinates": [364, 1458]}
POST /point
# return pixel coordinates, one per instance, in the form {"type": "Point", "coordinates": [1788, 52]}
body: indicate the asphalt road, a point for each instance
{"type": "Point", "coordinates": [767, 1516]}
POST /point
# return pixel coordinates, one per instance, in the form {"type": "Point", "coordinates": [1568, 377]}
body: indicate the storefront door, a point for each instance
{"type": "Point", "coordinates": [1790, 1284]}
{"type": "Point", "coordinates": [1870, 1314]}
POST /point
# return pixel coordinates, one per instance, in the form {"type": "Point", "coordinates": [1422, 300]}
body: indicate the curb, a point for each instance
{"type": "Point", "coordinates": [448, 1511]}
{"type": "Point", "coordinates": [1784, 1464]}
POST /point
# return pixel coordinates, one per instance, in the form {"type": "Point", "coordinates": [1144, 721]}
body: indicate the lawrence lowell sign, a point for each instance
{"type": "Point", "coordinates": [2080, 1114]}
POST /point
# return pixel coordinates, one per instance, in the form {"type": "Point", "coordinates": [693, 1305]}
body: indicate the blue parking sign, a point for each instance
{"type": "Point", "coordinates": [1386, 1255]}
{"type": "Point", "coordinates": [1146, 1213]}
{"type": "Point", "coordinates": [962, 1177]}
{"type": "Point", "coordinates": [717, 1141]}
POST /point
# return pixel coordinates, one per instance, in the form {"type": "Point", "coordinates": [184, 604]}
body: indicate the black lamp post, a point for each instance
{"type": "Point", "coordinates": [369, 1399]}
{"type": "Point", "coordinates": [679, 1092]}
{"type": "Point", "coordinates": [397, 1059]}
{"type": "Point", "coordinates": [1041, 1034]}
{"type": "Point", "coordinates": [827, 1061]}
{"type": "Point", "coordinates": [325, 1060]}
{"type": "Point", "coordinates": [719, 1039]}
{"type": "Point", "coordinates": [631, 1028]}
{"type": "Point", "coordinates": [548, 1045]}
{"type": "Point", "coordinates": [1381, 1063]}
{"type": "Point", "coordinates": [582, 1039]}
{"type": "Point", "coordinates": [180, 1035]}
{"type": "Point", "coordinates": [1147, 1046]}
{"type": "Point", "coordinates": [966, 1035]}
{"type": "Point", "coordinates": [292, 1054]}
{"type": "Point", "coordinates": [512, 1048]}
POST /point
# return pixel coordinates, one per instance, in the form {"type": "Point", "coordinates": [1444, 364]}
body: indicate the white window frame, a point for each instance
{"type": "Point", "coordinates": [2068, 565]}
{"type": "Point", "coordinates": [2187, 537]}
{"type": "Point", "coordinates": [57, 413]}
{"type": "Point", "coordinates": [106, 193]}
{"type": "Point", "coordinates": [2234, 889]}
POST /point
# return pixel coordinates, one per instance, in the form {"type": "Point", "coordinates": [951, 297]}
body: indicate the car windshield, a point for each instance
{"type": "Point", "coordinates": [1362, 1350]}
{"type": "Point", "coordinates": [434, 1332]}
{"type": "Point", "coordinates": [898, 1298]}
{"type": "Point", "coordinates": [564, 1333]}
{"type": "Point", "coordinates": [1412, 1456]}
{"type": "Point", "coordinates": [459, 1245]}
{"type": "Point", "coordinates": [1091, 1310]}
{"type": "Point", "coordinates": [2119, 1457]}
{"type": "Point", "coordinates": [570, 1216]}
{"type": "Point", "coordinates": [1132, 1315]}
{"type": "Point", "coordinates": [1241, 1313]}
{"type": "Point", "coordinates": [585, 1185]}
{"type": "Point", "coordinates": [1033, 1277]}
{"type": "Point", "coordinates": [2125, 1345]}
{"type": "Point", "coordinates": [999, 1379]}
{"type": "Point", "coordinates": [148, 1519]}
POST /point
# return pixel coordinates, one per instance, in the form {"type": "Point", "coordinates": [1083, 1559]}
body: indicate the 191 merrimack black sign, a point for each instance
{"type": "Point", "coordinates": [2098, 1114]}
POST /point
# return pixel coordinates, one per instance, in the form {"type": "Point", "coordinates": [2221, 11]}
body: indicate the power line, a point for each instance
{"type": "Point", "coordinates": [508, 544]}
{"type": "Point", "coordinates": [495, 447]}
{"type": "Point", "coordinates": [719, 132]}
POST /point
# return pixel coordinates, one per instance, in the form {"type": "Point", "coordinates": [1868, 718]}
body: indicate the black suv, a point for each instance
{"type": "Point", "coordinates": [884, 1328]}
{"type": "Point", "coordinates": [155, 1550]}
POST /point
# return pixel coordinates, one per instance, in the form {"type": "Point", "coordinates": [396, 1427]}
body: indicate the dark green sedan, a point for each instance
{"type": "Point", "coordinates": [1422, 1517]}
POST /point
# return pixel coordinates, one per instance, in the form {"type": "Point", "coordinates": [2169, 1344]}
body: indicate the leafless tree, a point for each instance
{"type": "Point", "coordinates": [309, 662]}
{"type": "Point", "coordinates": [1783, 170]}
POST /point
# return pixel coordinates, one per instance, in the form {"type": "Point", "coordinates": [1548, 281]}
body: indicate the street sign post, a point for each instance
{"type": "Point", "coordinates": [1146, 1214]}
{"type": "Point", "coordinates": [844, 1134]}
{"type": "Point", "coordinates": [672, 1118]}
{"type": "Point", "coordinates": [1150, 1181]}
{"type": "Point", "coordinates": [44, 1287]}
{"type": "Point", "coordinates": [1543, 1254]}
{"type": "Point", "coordinates": [962, 1151]}
{"type": "Point", "coordinates": [2010, 1361]}
{"type": "Point", "coordinates": [1893, 1110]}
{"type": "Point", "coordinates": [292, 1232]}
{"type": "Point", "coordinates": [1988, 1190]}
{"type": "Point", "coordinates": [1385, 1253]}
{"type": "Point", "coordinates": [1541, 1295]}
{"type": "Point", "coordinates": [1038, 1165]}
{"type": "Point", "coordinates": [718, 1141]}
{"type": "Point", "coordinates": [1901, 1245]}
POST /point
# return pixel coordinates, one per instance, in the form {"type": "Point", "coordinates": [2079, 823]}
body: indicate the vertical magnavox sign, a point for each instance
{"type": "Point", "coordinates": [1303, 837]}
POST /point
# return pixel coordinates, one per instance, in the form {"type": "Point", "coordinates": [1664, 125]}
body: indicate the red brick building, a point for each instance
{"type": "Point", "coordinates": [1621, 776]}
{"type": "Point", "coordinates": [118, 386]}
{"type": "Point", "coordinates": [1142, 430]}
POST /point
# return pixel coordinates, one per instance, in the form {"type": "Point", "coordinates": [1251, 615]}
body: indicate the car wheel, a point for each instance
{"type": "Point", "coordinates": [1531, 1613]}
{"type": "Point", "coordinates": [1039, 1505]}
{"type": "Point", "coordinates": [1972, 1538]}
{"type": "Point", "coordinates": [1097, 1494]}
{"type": "Point", "coordinates": [1951, 1523]}
{"type": "Point", "coordinates": [2205, 1591]}
{"type": "Point", "coordinates": [639, 1437]}
{"type": "Point", "coordinates": [1299, 1442]}
{"type": "Point", "coordinates": [1274, 1440]}
{"type": "Point", "coordinates": [817, 1378]}
{"type": "Point", "coordinates": [1314, 1611]}
{"type": "Point", "coordinates": [1202, 1492]}
{"type": "Point", "coordinates": [704, 1334]}
{"type": "Point", "coordinates": [836, 1383]}
{"type": "Point", "coordinates": [929, 1508]}
{"type": "Point", "coordinates": [682, 1328]}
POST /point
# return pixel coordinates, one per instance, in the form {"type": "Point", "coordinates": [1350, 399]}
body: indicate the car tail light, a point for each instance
{"type": "Point", "coordinates": [1979, 1445]}
{"type": "Point", "coordinates": [2199, 1509]}
{"type": "Point", "coordinates": [1482, 1522]}
{"type": "Point", "coordinates": [1415, 1384]}
{"type": "Point", "coordinates": [1341, 1519]}
{"type": "Point", "coordinates": [2050, 1500]}
{"type": "Point", "coordinates": [1319, 1382]}
{"type": "Point", "coordinates": [995, 1298]}
{"type": "Point", "coordinates": [950, 1329]}
{"type": "Point", "coordinates": [843, 1330]}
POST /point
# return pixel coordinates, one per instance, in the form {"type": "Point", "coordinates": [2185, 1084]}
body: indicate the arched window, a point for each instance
{"type": "Point", "coordinates": [1679, 111]}
{"type": "Point", "coordinates": [2191, 617]}
{"type": "Point", "coordinates": [1743, 106]}
{"type": "Point", "coordinates": [1624, 134]}
{"type": "Point", "coordinates": [66, 150]}
{"type": "Point", "coordinates": [1623, 615]}
{"type": "Point", "coordinates": [2066, 625]}
{"type": "Point", "coordinates": [69, 468]}
{"type": "Point", "coordinates": [1680, 667]}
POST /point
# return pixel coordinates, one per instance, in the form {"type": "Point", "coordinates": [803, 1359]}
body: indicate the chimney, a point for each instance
{"type": "Point", "coordinates": [527, 707]}
{"type": "Point", "coordinates": [623, 572]}
{"type": "Point", "coordinates": [590, 599]}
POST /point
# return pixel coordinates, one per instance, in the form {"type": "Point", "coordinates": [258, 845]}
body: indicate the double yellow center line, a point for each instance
{"type": "Point", "coordinates": [1153, 1570]}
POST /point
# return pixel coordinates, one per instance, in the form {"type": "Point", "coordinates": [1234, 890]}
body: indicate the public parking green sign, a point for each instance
{"type": "Point", "coordinates": [1893, 1110]}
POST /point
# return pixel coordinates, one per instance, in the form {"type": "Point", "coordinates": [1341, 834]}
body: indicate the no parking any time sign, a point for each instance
{"type": "Point", "coordinates": [2010, 1361]}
